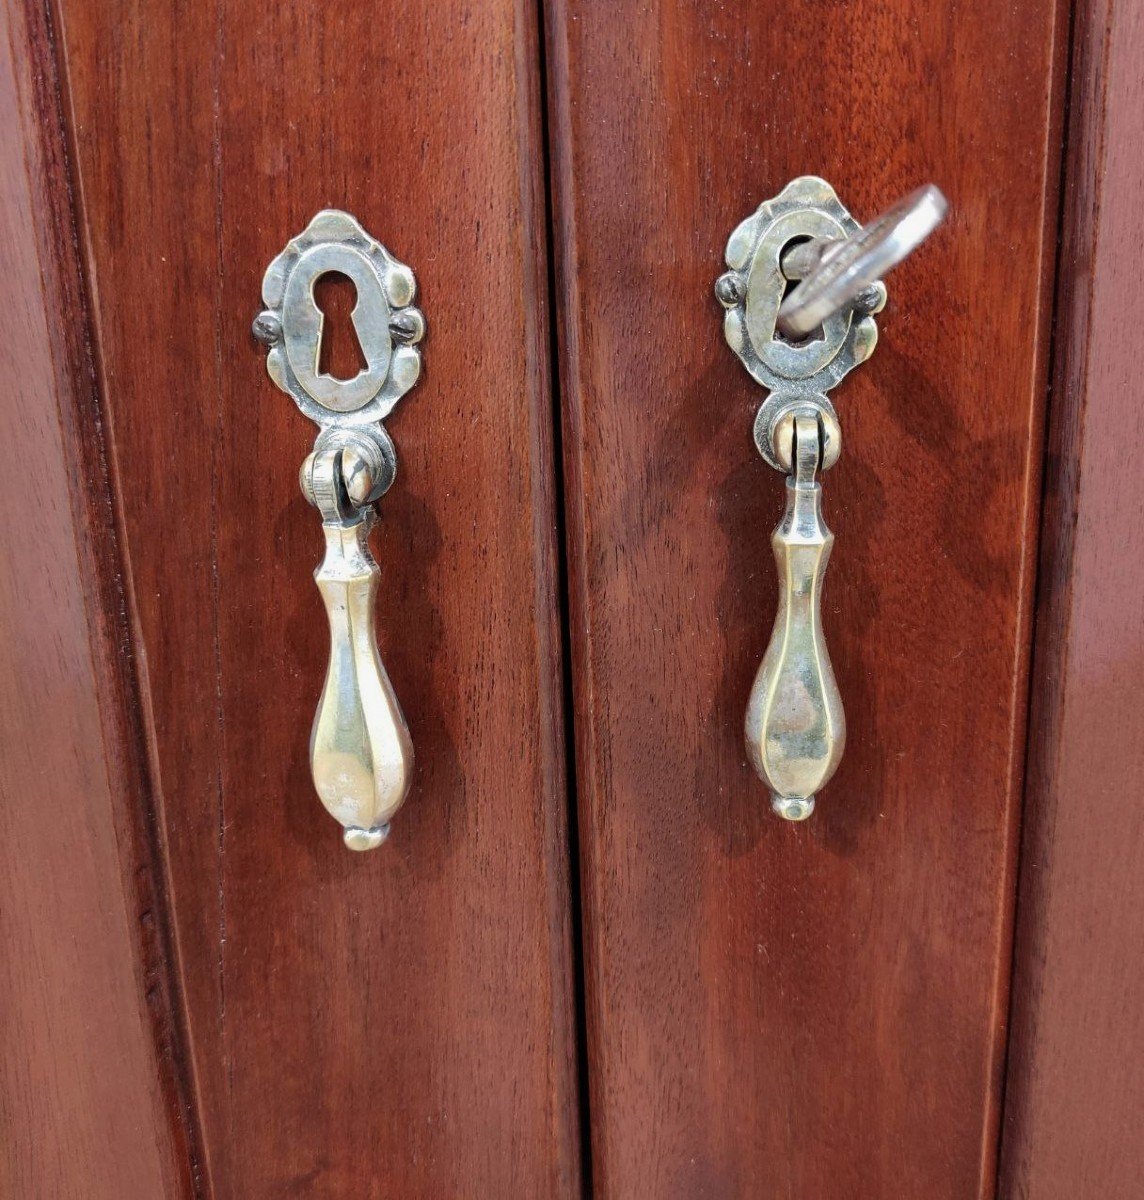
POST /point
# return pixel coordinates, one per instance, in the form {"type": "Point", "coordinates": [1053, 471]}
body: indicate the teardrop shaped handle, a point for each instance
{"type": "Point", "coordinates": [361, 756]}
{"type": "Point", "coordinates": [795, 726]}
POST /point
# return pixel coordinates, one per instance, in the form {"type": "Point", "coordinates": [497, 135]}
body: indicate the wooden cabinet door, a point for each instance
{"type": "Point", "coordinates": [304, 1021]}
{"type": "Point", "coordinates": [812, 1010]}
{"type": "Point", "coordinates": [637, 983]}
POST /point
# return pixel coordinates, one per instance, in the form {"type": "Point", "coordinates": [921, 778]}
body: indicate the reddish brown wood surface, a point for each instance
{"type": "Point", "coordinates": [1076, 1081]}
{"type": "Point", "coordinates": [395, 1024]}
{"type": "Point", "coordinates": [815, 1011]}
{"type": "Point", "coordinates": [90, 1104]}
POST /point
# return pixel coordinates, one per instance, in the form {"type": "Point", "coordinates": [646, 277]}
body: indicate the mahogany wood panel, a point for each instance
{"type": "Point", "coordinates": [1076, 1081]}
{"type": "Point", "coordinates": [813, 1011]}
{"type": "Point", "coordinates": [396, 1024]}
{"type": "Point", "coordinates": [89, 1101]}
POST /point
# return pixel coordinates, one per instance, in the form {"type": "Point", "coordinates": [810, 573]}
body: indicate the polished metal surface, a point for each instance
{"type": "Point", "coordinates": [361, 756]}
{"type": "Point", "coordinates": [386, 324]}
{"type": "Point", "coordinates": [775, 428]}
{"type": "Point", "coordinates": [836, 273]}
{"type": "Point", "coordinates": [752, 290]}
{"type": "Point", "coordinates": [795, 727]}
{"type": "Point", "coordinates": [799, 346]}
{"type": "Point", "coordinates": [360, 753]}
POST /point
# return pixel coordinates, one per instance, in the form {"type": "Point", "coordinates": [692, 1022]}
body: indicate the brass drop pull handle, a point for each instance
{"type": "Point", "coordinates": [799, 346]}
{"type": "Point", "coordinates": [361, 756]}
{"type": "Point", "coordinates": [796, 728]}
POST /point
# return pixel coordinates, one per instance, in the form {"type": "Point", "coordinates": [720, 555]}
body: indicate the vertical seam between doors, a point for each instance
{"type": "Point", "coordinates": [559, 316]}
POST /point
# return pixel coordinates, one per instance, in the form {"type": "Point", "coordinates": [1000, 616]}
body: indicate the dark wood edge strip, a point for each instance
{"type": "Point", "coordinates": [1031, 523]}
{"type": "Point", "coordinates": [93, 500]}
{"type": "Point", "coordinates": [1083, 92]}
{"type": "Point", "coordinates": [1032, 566]}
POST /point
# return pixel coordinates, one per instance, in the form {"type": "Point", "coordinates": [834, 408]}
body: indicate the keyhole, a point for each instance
{"type": "Point", "coordinates": [815, 335]}
{"type": "Point", "coordinates": [340, 354]}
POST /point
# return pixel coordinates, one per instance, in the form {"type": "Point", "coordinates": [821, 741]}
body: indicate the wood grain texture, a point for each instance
{"type": "Point", "coordinates": [816, 1011]}
{"type": "Point", "coordinates": [1076, 1082]}
{"type": "Point", "coordinates": [395, 1024]}
{"type": "Point", "coordinates": [90, 1102]}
